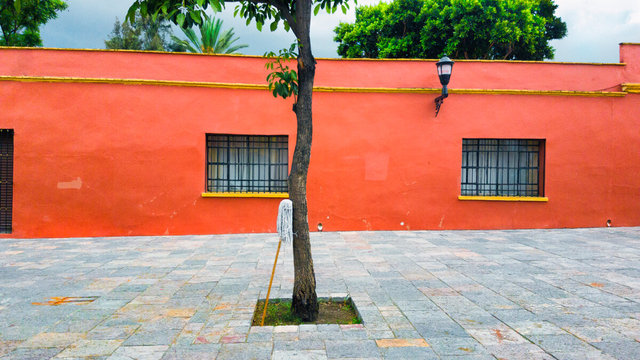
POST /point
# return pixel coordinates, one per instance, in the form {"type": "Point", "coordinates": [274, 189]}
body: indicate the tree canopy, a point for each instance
{"type": "Point", "coordinates": [143, 33]}
{"type": "Point", "coordinates": [20, 20]}
{"type": "Point", "coordinates": [469, 29]}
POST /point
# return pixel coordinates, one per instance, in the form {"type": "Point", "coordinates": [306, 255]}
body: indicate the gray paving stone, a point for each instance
{"type": "Point", "coordinates": [306, 344]}
{"type": "Point", "coordinates": [593, 354]}
{"type": "Point", "coordinates": [139, 352]}
{"type": "Point", "coordinates": [406, 334]}
{"type": "Point", "coordinates": [521, 351]}
{"type": "Point", "coordinates": [194, 352]}
{"type": "Point", "coordinates": [440, 329]}
{"type": "Point", "coordinates": [560, 343]}
{"type": "Point", "coordinates": [90, 348]}
{"type": "Point", "coordinates": [152, 338]}
{"type": "Point", "coordinates": [623, 350]}
{"type": "Point", "coordinates": [354, 334]}
{"type": "Point", "coordinates": [456, 346]}
{"type": "Point", "coordinates": [467, 357]}
{"type": "Point", "coordinates": [351, 349]}
{"type": "Point", "coordinates": [299, 354]}
{"type": "Point", "coordinates": [32, 354]}
{"type": "Point", "coordinates": [242, 351]}
{"type": "Point", "coordinates": [402, 353]}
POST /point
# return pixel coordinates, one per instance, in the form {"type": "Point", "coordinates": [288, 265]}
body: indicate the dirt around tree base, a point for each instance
{"type": "Point", "coordinates": [330, 312]}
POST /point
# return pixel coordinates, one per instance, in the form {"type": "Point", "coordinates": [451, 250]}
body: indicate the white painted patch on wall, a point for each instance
{"type": "Point", "coordinates": [441, 221]}
{"type": "Point", "coordinates": [73, 184]}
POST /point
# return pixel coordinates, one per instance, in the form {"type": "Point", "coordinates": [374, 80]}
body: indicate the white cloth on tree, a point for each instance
{"type": "Point", "coordinates": [285, 221]}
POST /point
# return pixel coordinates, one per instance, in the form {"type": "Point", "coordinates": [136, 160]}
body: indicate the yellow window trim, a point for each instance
{"type": "Point", "coordinates": [505, 198]}
{"type": "Point", "coordinates": [275, 195]}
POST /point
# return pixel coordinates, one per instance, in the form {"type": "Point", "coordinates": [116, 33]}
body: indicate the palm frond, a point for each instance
{"type": "Point", "coordinates": [211, 40]}
{"type": "Point", "coordinates": [184, 43]}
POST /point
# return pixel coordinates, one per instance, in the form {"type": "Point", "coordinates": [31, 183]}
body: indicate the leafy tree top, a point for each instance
{"type": "Point", "coordinates": [187, 13]}
{"type": "Point", "coordinates": [144, 33]}
{"type": "Point", "coordinates": [20, 20]}
{"type": "Point", "coordinates": [471, 29]}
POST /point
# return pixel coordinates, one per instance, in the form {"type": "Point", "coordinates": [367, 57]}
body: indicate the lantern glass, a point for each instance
{"type": "Point", "coordinates": [445, 69]}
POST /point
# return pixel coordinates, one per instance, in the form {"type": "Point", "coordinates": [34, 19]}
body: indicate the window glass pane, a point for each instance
{"type": "Point", "coordinates": [247, 163]}
{"type": "Point", "coordinates": [501, 167]}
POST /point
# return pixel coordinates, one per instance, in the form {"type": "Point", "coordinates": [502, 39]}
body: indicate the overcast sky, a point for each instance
{"type": "Point", "coordinates": [595, 27]}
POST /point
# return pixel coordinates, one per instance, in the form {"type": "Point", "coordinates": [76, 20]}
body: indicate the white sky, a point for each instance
{"type": "Point", "coordinates": [595, 27]}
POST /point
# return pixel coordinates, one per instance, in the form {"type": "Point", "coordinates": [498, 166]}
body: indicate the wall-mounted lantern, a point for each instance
{"type": "Point", "coordinates": [445, 67]}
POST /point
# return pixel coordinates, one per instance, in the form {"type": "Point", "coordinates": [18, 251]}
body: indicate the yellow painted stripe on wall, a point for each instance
{"type": "Point", "coordinates": [56, 79]}
{"type": "Point", "coordinates": [631, 88]}
{"type": "Point", "coordinates": [322, 58]}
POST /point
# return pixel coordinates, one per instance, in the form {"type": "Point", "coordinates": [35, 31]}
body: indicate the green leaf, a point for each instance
{"type": "Point", "coordinates": [217, 5]}
{"type": "Point", "coordinates": [195, 17]}
{"type": "Point", "coordinates": [180, 19]}
{"type": "Point", "coordinates": [17, 4]}
{"type": "Point", "coordinates": [131, 14]}
{"type": "Point", "coordinates": [316, 9]}
{"type": "Point", "coordinates": [274, 26]}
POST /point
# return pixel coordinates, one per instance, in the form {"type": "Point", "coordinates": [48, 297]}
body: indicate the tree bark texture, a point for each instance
{"type": "Point", "coordinates": [304, 299]}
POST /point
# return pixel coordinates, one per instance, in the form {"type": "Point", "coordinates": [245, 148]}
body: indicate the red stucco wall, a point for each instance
{"type": "Point", "coordinates": [114, 159]}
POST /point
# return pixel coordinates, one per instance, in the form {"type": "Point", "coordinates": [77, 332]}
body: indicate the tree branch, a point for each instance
{"type": "Point", "coordinates": [284, 10]}
{"type": "Point", "coordinates": [6, 33]}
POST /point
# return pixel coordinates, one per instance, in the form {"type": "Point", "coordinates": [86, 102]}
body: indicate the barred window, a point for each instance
{"type": "Point", "coordinates": [247, 163]}
{"type": "Point", "coordinates": [6, 179]}
{"type": "Point", "coordinates": [502, 167]}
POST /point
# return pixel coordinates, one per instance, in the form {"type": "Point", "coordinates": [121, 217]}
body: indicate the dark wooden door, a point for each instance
{"type": "Point", "coordinates": [6, 179]}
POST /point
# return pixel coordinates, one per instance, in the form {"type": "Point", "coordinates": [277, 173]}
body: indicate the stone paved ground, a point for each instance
{"type": "Point", "coordinates": [527, 294]}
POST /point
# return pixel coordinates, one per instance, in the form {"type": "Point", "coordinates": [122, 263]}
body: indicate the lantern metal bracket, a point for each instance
{"type": "Point", "coordinates": [440, 99]}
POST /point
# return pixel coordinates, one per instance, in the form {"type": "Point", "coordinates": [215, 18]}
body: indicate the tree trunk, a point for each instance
{"type": "Point", "coordinates": [304, 299]}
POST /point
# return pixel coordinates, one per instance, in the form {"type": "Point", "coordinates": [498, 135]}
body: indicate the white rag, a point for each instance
{"type": "Point", "coordinates": [285, 221]}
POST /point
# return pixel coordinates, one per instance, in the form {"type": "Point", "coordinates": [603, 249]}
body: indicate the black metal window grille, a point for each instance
{"type": "Point", "coordinates": [502, 167]}
{"type": "Point", "coordinates": [247, 163]}
{"type": "Point", "coordinates": [6, 179]}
